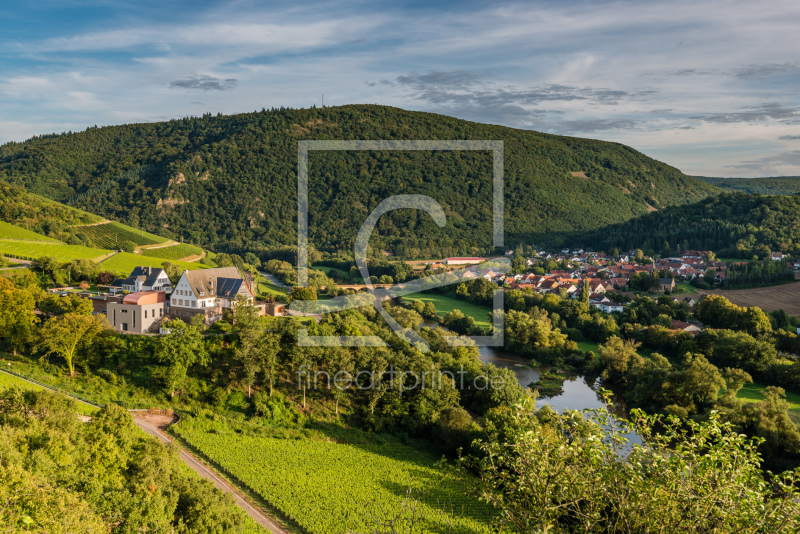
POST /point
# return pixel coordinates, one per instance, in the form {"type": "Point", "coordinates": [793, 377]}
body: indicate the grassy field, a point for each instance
{"type": "Point", "coordinates": [752, 393]}
{"type": "Point", "coordinates": [124, 262]}
{"type": "Point", "coordinates": [174, 252]}
{"type": "Point", "coordinates": [7, 380]}
{"type": "Point", "coordinates": [271, 290]}
{"type": "Point", "coordinates": [111, 235]}
{"type": "Point", "coordinates": [587, 346]}
{"type": "Point", "coordinates": [445, 304]}
{"type": "Point", "coordinates": [11, 231]}
{"type": "Point", "coordinates": [688, 288]}
{"type": "Point", "coordinates": [331, 488]}
{"type": "Point", "coordinates": [785, 296]}
{"type": "Point", "coordinates": [55, 250]}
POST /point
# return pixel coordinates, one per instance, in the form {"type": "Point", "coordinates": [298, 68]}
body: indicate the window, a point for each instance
{"type": "Point", "coordinates": [145, 314]}
{"type": "Point", "coordinates": [161, 312]}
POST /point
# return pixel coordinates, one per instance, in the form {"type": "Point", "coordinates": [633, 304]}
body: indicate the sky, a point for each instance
{"type": "Point", "coordinates": [711, 88]}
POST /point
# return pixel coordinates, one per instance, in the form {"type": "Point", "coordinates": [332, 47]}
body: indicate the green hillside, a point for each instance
{"type": "Point", "coordinates": [230, 182]}
{"type": "Point", "coordinates": [93, 239]}
{"type": "Point", "coordinates": [734, 225]}
{"type": "Point", "coordinates": [11, 231]}
{"type": "Point", "coordinates": [40, 215]}
{"type": "Point", "coordinates": [782, 185]}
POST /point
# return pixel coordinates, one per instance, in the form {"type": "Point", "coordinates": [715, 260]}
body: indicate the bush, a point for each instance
{"type": "Point", "coordinates": [453, 430]}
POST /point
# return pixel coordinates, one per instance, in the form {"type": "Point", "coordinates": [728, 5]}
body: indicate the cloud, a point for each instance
{"type": "Point", "coordinates": [789, 138]}
{"type": "Point", "coordinates": [435, 78]}
{"type": "Point", "coordinates": [205, 82]}
{"type": "Point", "coordinates": [598, 125]}
{"type": "Point", "coordinates": [771, 164]}
{"type": "Point", "coordinates": [764, 112]}
{"type": "Point", "coordinates": [764, 69]}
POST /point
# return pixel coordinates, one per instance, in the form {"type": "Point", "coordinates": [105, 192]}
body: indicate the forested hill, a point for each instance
{"type": "Point", "coordinates": [732, 224]}
{"type": "Point", "coordinates": [230, 182]}
{"type": "Point", "coordinates": [782, 185]}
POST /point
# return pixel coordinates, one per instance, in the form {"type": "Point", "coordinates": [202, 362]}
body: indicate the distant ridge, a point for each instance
{"type": "Point", "coordinates": [229, 182]}
{"type": "Point", "coordinates": [779, 185]}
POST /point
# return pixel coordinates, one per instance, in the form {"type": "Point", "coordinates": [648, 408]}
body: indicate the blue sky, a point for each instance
{"type": "Point", "coordinates": [709, 87]}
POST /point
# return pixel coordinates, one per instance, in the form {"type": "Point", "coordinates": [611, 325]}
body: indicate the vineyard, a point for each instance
{"type": "Point", "coordinates": [112, 235]}
{"type": "Point", "coordinates": [124, 262]}
{"type": "Point", "coordinates": [334, 488]}
{"type": "Point", "coordinates": [175, 252]}
{"type": "Point", "coordinates": [62, 253]}
{"type": "Point", "coordinates": [10, 231]}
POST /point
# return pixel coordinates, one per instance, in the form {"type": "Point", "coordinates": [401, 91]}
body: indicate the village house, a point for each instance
{"type": "Point", "coordinates": [143, 279]}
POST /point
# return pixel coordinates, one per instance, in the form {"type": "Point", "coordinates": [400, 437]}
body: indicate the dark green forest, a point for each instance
{"type": "Point", "coordinates": [732, 224]}
{"type": "Point", "coordinates": [230, 182]}
{"type": "Point", "coordinates": [782, 185]}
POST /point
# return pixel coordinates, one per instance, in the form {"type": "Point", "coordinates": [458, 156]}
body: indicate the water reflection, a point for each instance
{"type": "Point", "coordinates": [578, 392]}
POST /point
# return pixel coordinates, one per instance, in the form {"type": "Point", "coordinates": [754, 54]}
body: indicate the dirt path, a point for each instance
{"type": "Point", "coordinates": [104, 221]}
{"type": "Point", "coordinates": [194, 257]}
{"type": "Point", "coordinates": [209, 474]}
{"type": "Point", "coordinates": [106, 257]}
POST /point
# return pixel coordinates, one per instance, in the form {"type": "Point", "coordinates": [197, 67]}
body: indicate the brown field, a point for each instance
{"type": "Point", "coordinates": [785, 296]}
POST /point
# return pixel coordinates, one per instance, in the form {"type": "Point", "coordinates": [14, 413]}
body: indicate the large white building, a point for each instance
{"type": "Point", "coordinates": [208, 291]}
{"type": "Point", "coordinates": [462, 261]}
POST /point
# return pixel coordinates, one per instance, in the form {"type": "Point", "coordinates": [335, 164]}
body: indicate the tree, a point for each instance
{"type": "Point", "coordinates": [638, 255]}
{"type": "Point", "coordinates": [127, 246]}
{"type": "Point", "coordinates": [56, 305]}
{"type": "Point", "coordinates": [303, 293]}
{"type": "Point", "coordinates": [550, 472]}
{"type": "Point", "coordinates": [429, 312]}
{"type": "Point", "coordinates": [585, 292]}
{"type": "Point", "coordinates": [16, 314]}
{"type": "Point", "coordinates": [82, 269]}
{"type": "Point", "coordinates": [182, 348]}
{"type": "Point", "coordinates": [66, 334]}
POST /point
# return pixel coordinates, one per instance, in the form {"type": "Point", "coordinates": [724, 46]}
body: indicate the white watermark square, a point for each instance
{"type": "Point", "coordinates": [375, 297]}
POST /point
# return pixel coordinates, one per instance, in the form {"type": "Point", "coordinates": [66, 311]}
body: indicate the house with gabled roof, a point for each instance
{"type": "Point", "coordinates": [208, 292]}
{"type": "Point", "coordinates": [144, 279]}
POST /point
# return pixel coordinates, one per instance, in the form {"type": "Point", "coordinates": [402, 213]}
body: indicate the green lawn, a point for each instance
{"type": "Point", "coordinates": [445, 304]}
{"type": "Point", "coordinates": [7, 380]}
{"type": "Point", "coordinates": [752, 393]}
{"type": "Point", "coordinates": [11, 231]}
{"type": "Point", "coordinates": [271, 290]}
{"type": "Point", "coordinates": [688, 288]}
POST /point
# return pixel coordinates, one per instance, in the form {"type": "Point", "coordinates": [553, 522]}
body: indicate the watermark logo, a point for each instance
{"type": "Point", "coordinates": [376, 296]}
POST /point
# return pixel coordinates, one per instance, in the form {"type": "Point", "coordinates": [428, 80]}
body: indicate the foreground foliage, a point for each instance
{"type": "Point", "coordinates": [563, 473]}
{"type": "Point", "coordinates": [58, 474]}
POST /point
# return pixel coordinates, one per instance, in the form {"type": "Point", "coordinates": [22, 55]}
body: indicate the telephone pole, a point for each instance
{"type": "Point", "coordinates": [323, 100]}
